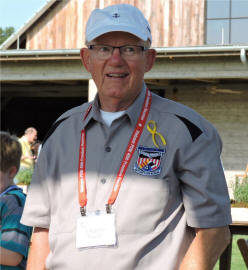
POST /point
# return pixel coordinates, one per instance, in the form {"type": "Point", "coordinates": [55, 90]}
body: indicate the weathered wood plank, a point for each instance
{"type": "Point", "coordinates": [173, 23]}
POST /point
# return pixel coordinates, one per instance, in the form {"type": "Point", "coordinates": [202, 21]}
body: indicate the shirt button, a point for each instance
{"type": "Point", "coordinates": [108, 149]}
{"type": "Point", "coordinates": [103, 180]}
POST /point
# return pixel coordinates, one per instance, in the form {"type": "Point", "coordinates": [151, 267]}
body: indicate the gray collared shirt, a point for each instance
{"type": "Point", "coordinates": [164, 195]}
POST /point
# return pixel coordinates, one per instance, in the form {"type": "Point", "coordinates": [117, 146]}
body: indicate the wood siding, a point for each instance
{"type": "Point", "coordinates": [173, 23]}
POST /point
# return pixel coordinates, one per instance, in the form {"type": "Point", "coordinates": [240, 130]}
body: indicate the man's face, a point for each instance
{"type": "Point", "coordinates": [118, 79]}
{"type": "Point", "coordinates": [32, 136]}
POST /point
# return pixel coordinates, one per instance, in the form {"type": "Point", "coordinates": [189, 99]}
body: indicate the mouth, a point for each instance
{"type": "Point", "coordinates": [117, 75]}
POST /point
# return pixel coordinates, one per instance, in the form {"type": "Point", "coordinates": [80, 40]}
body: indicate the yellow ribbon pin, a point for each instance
{"type": "Point", "coordinates": [153, 131]}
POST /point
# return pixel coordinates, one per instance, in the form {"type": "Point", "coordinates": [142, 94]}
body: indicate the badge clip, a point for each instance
{"type": "Point", "coordinates": [83, 211]}
{"type": "Point", "coordinates": [108, 208]}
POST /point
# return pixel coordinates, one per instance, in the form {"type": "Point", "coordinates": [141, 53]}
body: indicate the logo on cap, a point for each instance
{"type": "Point", "coordinates": [116, 15]}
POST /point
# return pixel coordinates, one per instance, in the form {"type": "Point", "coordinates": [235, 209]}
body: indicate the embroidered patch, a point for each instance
{"type": "Point", "coordinates": [149, 161]}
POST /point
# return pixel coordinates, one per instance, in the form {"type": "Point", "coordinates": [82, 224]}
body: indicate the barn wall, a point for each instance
{"type": "Point", "coordinates": [227, 111]}
{"type": "Point", "coordinates": [173, 23]}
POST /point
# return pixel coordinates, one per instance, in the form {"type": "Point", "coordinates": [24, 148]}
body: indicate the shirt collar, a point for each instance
{"type": "Point", "coordinates": [9, 188]}
{"type": "Point", "coordinates": [132, 112]}
{"type": "Point", "coordinates": [24, 139]}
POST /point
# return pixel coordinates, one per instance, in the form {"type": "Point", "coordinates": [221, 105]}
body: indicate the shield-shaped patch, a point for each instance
{"type": "Point", "coordinates": [149, 161]}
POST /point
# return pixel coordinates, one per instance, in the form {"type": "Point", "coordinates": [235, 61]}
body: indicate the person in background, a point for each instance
{"type": "Point", "coordinates": [29, 137]}
{"type": "Point", "coordinates": [14, 237]}
{"type": "Point", "coordinates": [130, 181]}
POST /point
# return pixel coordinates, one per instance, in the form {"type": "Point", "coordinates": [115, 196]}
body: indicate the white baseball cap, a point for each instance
{"type": "Point", "coordinates": [123, 17]}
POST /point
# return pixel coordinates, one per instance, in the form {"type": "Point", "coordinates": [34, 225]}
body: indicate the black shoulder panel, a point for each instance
{"type": "Point", "coordinates": [52, 129]}
{"type": "Point", "coordinates": [194, 131]}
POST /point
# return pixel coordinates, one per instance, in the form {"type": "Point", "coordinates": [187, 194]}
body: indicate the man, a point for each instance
{"type": "Point", "coordinates": [130, 180]}
{"type": "Point", "coordinates": [14, 236]}
{"type": "Point", "coordinates": [29, 137]}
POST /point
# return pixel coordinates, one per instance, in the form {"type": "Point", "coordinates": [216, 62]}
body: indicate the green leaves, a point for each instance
{"type": "Point", "coordinates": [24, 176]}
{"type": "Point", "coordinates": [5, 33]}
{"type": "Point", "coordinates": [240, 190]}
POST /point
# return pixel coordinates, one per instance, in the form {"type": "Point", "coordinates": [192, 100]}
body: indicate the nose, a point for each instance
{"type": "Point", "coordinates": [116, 55]}
{"type": "Point", "coordinates": [116, 49]}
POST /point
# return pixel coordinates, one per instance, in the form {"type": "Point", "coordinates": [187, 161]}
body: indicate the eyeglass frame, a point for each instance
{"type": "Point", "coordinates": [143, 48]}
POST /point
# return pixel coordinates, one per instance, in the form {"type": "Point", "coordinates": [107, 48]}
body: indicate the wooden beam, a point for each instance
{"type": "Point", "coordinates": [200, 68]}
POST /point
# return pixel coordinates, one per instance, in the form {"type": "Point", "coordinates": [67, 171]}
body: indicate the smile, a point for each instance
{"type": "Point", "coordinates": [114, 75]}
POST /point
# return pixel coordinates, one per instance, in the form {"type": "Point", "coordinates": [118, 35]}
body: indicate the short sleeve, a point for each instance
{"type": "Point", "coordinates": [14, 235]}
{"type": "Point", "coordinates": [37, 210]}
{"type": "Point", "coordinates": [203, 184]}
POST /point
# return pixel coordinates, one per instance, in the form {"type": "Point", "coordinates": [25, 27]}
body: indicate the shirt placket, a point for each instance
{"type": "Point", "coordinates": [109, 164]}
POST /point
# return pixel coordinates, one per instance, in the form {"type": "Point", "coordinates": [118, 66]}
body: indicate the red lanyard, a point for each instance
{"type": "Point", "coordinates": [82, 190]}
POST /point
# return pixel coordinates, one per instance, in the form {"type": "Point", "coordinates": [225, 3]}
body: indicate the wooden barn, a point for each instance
{"type": "Point", "coordinates": [200, 62]}
{"type": "Point", "coordinates": [61, 24]}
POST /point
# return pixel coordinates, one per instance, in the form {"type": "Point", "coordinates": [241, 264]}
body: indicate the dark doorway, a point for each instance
{"type": "Point", "coordinates": [22, 112]}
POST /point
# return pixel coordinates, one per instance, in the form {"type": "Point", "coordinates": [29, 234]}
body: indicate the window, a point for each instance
{"type": "Point", "coordinates": [226, 22]}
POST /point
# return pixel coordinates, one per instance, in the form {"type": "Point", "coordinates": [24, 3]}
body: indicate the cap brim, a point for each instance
{"type": "Point", "coordinates": [113, 28]}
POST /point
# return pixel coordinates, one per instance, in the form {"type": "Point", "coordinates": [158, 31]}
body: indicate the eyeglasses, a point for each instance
{"type": "Point", "coordinates": [127, 51]}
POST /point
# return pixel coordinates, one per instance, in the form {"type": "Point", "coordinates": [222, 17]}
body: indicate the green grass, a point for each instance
{"type": "Point", "coordinates": [237, 262]}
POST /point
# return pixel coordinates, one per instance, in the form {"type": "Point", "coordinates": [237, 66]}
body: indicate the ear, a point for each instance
{"type": "Point", "coordinates": [150, 59]}
{"type": "Point", "coordinates": [12, 171]}
{"type": "Point", "coordinates": [85, 58]}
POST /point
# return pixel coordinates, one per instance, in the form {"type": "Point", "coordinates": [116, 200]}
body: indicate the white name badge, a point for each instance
{"type": "Point", "coordinates": [96, 230]}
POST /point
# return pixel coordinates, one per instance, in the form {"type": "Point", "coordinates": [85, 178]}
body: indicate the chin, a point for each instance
{"type": "Point", "coordinates": [116, 93]}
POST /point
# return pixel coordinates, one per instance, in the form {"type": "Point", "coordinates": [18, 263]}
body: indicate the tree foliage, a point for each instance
{"type": "Point", "coordinates": [5, 33]}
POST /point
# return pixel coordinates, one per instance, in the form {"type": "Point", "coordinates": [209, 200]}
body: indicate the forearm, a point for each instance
{"type": "Point", "coordinates": [39, 250]}
{"type": "Point", "coordinates": [9, 257]}
{"type": "Point", "coordinates": [26, 157]}
{"type": "Point", "coordinates": [23, 157]}
{"type": "Point", "coordinates": [206, 248]}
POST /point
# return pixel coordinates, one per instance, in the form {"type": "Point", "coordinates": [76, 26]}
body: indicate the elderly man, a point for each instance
{"type": "Point", "coordinates": [130, 180]}
{"type": "Point", "coordinates": [29, 137]}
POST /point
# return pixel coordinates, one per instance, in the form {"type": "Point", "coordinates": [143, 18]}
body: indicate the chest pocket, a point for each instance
{"type": "Point", "coordinates": [142, 201]}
